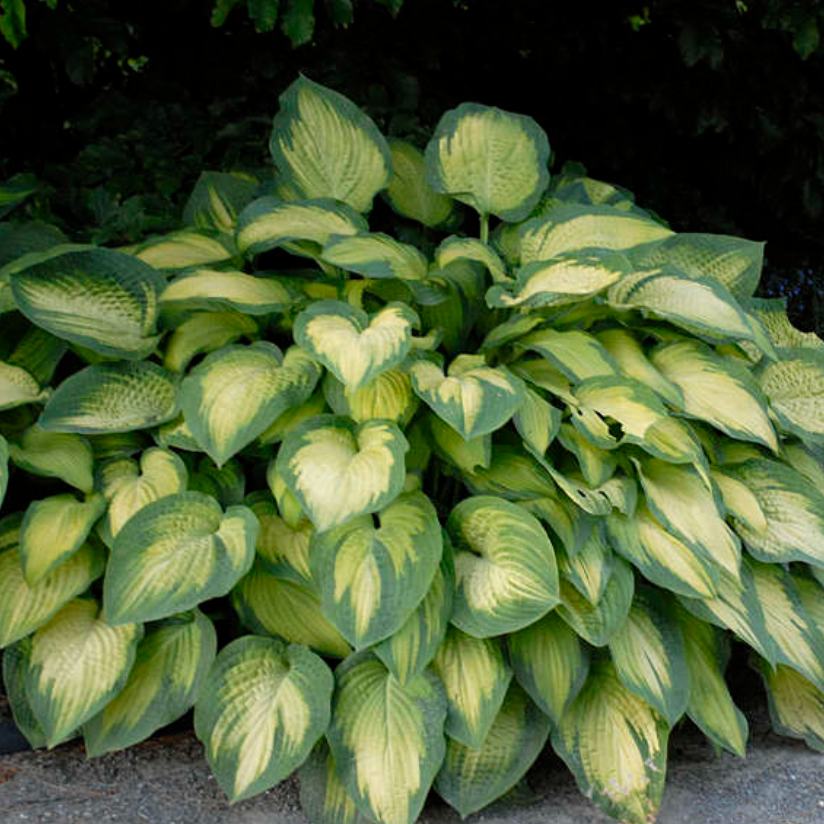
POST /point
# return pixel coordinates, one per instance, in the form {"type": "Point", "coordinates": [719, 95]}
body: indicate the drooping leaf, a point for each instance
{"type": "Point", "coordinates": [578, 355]}
{"type": "Point", "coordinates": [338, 471]}
{"type": "Point", "coordinates": [74, 665]}
{"type": "Point", "coordinates": [550, 663]}
{"type": "Point", "coordinates": [476, 678]}
{"type": "Point", "coordinates": [506, 575]}
{"type": "Point", "coordinates": [353, 346]}
{"type": "Point", "coordinates": [492, 160]}
{"type": "Point", "coordinates": [18, 387]}
{"type": "Point", "coordinates": [237, 392]}
{"type": "Point", "coordinates": [55, 455]}
{"type": "Point", "coordinates": [262, 708]}
{"type": "Point", "coordinates": [326, 147]}
{"type": "Point", "coordinates": [796, 704]}
{"type": "Point", "coordinates": [174, 553]}
{"type": "Point", "coordinates": [108, 398]}
{"type": "Point", "coordinates": [472, 777]}
{"type": "Point", "coordinates": [288, 610]}
{"type": "Point", "coordinates": [217, 199]}
{"type": "Point", "coordinates": [184, 250]}
{"type": "Point", "coordinates": [615, 744]}
{"type": "Point", "coordinates": [387, 740]}
{"type": "Point", "coordinates": [408, 192]}
{"type": "Point", "coordinates": [372, 578]}
{"type": "Point", "coordinates": [14, 663]}
{"type": "Point", "coordinates": [169, 670]}
{"type": "Point", "coordinates": [101, 299]}
{"type": "Point", "coordinates": [376, 255]}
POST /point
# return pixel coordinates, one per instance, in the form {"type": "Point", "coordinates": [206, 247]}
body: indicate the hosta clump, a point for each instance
{"type": "Point", "coordinates": [487, 462]}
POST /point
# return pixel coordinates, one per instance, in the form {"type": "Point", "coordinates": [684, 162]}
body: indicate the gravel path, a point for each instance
{"type": "Point", "coordinates": [166, 781]}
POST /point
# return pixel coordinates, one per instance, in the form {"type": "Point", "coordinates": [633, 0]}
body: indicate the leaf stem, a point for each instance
{"type": "Point", "coordinates": [485, 228]}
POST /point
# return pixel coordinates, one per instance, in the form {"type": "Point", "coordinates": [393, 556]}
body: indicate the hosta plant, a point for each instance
{"type": "Point", "coordinates": [462, 461]}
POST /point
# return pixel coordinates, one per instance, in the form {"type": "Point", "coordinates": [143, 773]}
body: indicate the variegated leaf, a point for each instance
{"type": "Point", "coordinates": [387, 739]}
{"type": "Point", "coordinates": [116, 397]}
{"type": "Point", "coordinates": [292, 418]}
{"type": "Point", "coordinates": [388, 395]}
{"type": "Point", "coordinates": [303, 227]}
{"type": "Point", "coordinates": [237, 392]}
{"type": "Point", "coordinates": [471, 778]}
{"type": "Point", "coordinates": [710, 704]}
{"type": "Point", "coordinates": [14, 663]}
{"type": "Point", "coordinates": [448, 443]}
{"type": "Point", "coordinates": [216, 200]}
{"type": "Point", "coordinates": [100, 299]}
{"type": "Point", "coordinates": [456, 247]}
{"type": "Point", "coordinates": [473, 398]}
{"type": "Point", "coordinates": [550, 662]}
{"type": "Point", "coordinates": [615, 744]}
{"type": "Point", "coordinates": [372, 578]}
{"type": "Point", "coordinates": [476, 678]}
{"type": "Point", "coordinates": [338, 471]}
{"type": "Point", "coordinates": [270, 605]}
{"type": "Point", "coordinates": [598, 624]}
{"type": "Point", "coordinates": [53, 530]}
{"type": "Point", "coordinates": [169, 670]}
{"type": "Point", "coordinates": [282, 549]}
{"type": "Point", "coordinates": [796, 705]}
{"type": "Point", "coordinates": [325, 147]}
{"type": "Point", "coordinates": [578, 355]}
{"type": "Point", "coordinates": [537, 422]}
{"type": "Point", "coordinates": [355, 347]}
{"type": "Point", "coordinates": [376, 255]}
{"type": "Point", "coordinates": [506, 575]}
{"type": "Point", "coordinates": [74, 665]}
{"type": "Point", "coordinates": [184, 250]}
{"type": "Point", "coordinates": [795, 388]}
{"type": "Point", "coordinates": [492, 160]}
{"type": "Point", "coordinates": [18, 387]}
{"type": "Point", "coordinates": [262, 708]}
{"type": "Point", "coordinates": [55, 455]}
{"type": "Point", "coordinates": [589, 569]}
{"type": "Point", "coordinates": [175, 553]}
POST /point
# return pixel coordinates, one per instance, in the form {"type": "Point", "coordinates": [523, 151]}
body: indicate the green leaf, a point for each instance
{"type": "Point", "coordinates": [262, 708]}
{"type": "Point", "coordinates": [577, 355]}
{"type": "Point", "coordinates": [39, 353]}
{"type": "Point", "coordinates": [18, 387]}
{"type": "Point", "coordinates": [55, 455]}
{"type": "Point", "coordinates": [175, 553]}
{"type": "Point", "coordinates": [492, 160]}
{"type": "Point", "coordinates": [376, 255]}
{"type": "Point", "coordinates": [796, 705]}
{"type": "Point", "coordinates": [550, 663]}
{"type": "Point", "coordinates": [168, 673]}
{"type": "Point", "coordinates": [25, 608]}
{"type": "Point", "coordinates": [598, 624]}
{"type": "Point", "coordinates": [710, 704]}
{"type": "Point", "coordinates": [408, 192]}
{"type": "Point", "coordinates": [687, 508]}
{"type": "Point", "coordinates": [303, 227]}
{"type": "Point", "coordinates": [407, 652]}
{"type": "Point", "coordinates": [372, 578]}
{"type": "Point", "coordinates": [100, 298]}
{"type": "Point", "coordinates": [15, 190]}
{"type": "Point", "coordinates": [506, 575]}
{"type": "Point", "coordinates": [589, 569]}
{"type": "Point", "coordinates": [575, 227]}
{"type": "Point", "coordinates": [476, 678]}
{"type": "Point", "coordinates": [353, 346]}
{"type": "Point", "coordinates": [660, 556]}
{"type": "Point", "coordinates": [129, 486]}
{"type": "Point", "coordinates": [615, 744]}
{"type": "Point", "coordinates": [298, 23]}
{"type": "Point", "coordinates": [473, 398]}
{"type": "Point", "coordinates": [471, 778]}
{"type": "Point", "coordinates": [215, 290]}
{"type": "Point", "coordinates": [53, 530]}
{"type": "Point", "coordinates": [338, 471]}
{"type": "Point", "coordinates": [466, 455]}
{"type": "Point", "coordinates": [807, 38]}
{"type": "Point", "coordinates": [795, 389]}
{"type": "Point", "coordinates": [388, 395]}
{"type": "Point", "coordinates": [323, 798]}
{"type": "Point", "coordinates": [185, 249]}
{"type": "Point", "coordinates": [716, 391]}
{"type": "Point", "coordinates": [269, 605]}
{"type": "Point", "coordinates": [14, 662]}
{"type": "Point", "coordinates": [74, 665]}
{"type": "Point", "coordinates": [387, 740]}
{"type": "Point", "coordinates": [794, 512]}
{"type": "Point", "coordinates": [107, 398]}
{"type": "Point", "coordinates": [597, 465]}
{"type": "Point", "coordinates": [283, 550]}
{"type": "Point", "coordinates": [292, 418]}
{"type": "Point", "coordinates": [537, 422]}
{"type": "Point", "coordinates": [237, 392]}
{"type": "Point", "coordinates": [4, 468]}
{"type": "Point", "coordinates": [649, 656]}
{"type": "Point", "coordinates": [325, 147]}
{"type": "Point", "coordinates": [565, 279]}
{"type": "Point", "coordinates": [217, 199]}
{"type": "Point", "coordinates": [469, 248]}
{"type": "Point", "coordinates": [13, 23]}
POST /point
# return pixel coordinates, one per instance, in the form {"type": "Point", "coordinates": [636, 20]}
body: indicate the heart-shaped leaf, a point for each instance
{"type": "Point", "coordinates": [353, 346]}
{"type": "Point", "coordinates": [338, 471]}
{"type": "Point", "coordinates": [239, 391]}
{"type": "Point", "coordinates": [262, 708]}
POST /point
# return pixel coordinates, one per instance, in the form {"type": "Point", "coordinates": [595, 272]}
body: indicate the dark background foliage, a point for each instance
{"type": "Point", "coordinates": [710, 111]}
